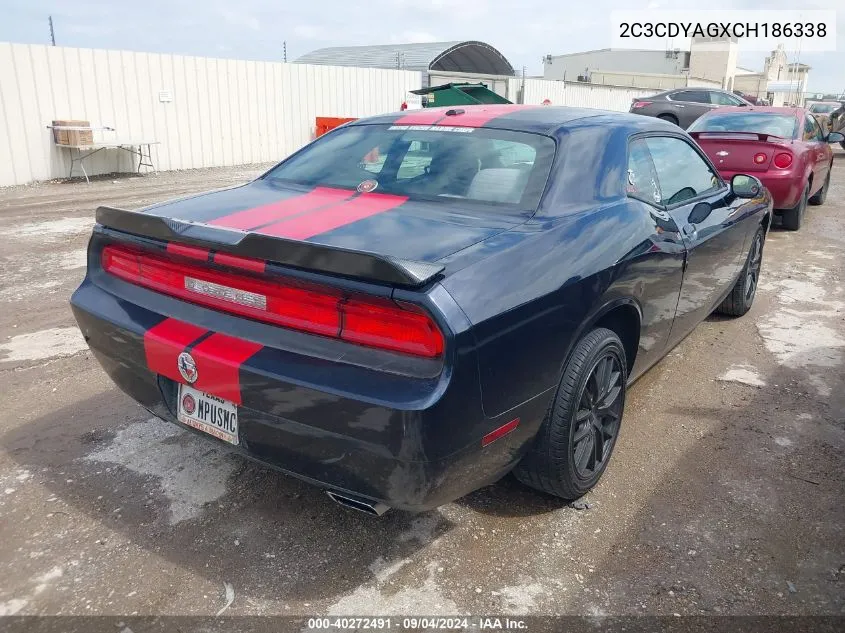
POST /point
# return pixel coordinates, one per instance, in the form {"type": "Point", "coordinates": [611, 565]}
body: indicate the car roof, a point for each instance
{"type": "Point", "coordinates": [521, 118]}
{"type": "Point", "coordinates": [692, 89]}
{"type": "Point", "coordinates": [761, 109]}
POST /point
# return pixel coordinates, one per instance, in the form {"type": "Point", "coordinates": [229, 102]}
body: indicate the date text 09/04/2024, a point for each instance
{"type": "Point", "coordinates": [416, 623]}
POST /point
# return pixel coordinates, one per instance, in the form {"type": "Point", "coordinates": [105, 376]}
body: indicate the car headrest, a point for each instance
{"type": "Point", "coordinates": [498, 184]}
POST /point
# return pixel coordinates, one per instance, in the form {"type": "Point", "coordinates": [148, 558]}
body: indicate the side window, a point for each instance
{"type": "Point", "coordinates": [693, 96]}
{"type": "Point", "coordinates": [681, 172]}
{"type": "Point", "coordinates": [810, 128]}
{"type": "Point", "coordinates": [641, 177]}
{"type": "Point", "coordinates": [719, 98]}
{"type": "Point", "coordinates": [373, 160]}
{"type": "Point", "coordinates": [819, 135]}
{"type": "Point", "coordinates": [508, 154]}
{"type": "Point", "coordinates": [415, 161]}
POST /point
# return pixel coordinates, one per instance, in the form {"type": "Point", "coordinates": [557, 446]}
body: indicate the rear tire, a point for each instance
{"type": "Point", "coordinates": [821, 194]}
{"type": "Point", "coordinates": [792, 218]}
{"type": "Point", "coordinates": [576, 440]}
{"type": "Point", "coordinates": [742, 296]}
{"type": "Point", "coordinates": [669, 117]}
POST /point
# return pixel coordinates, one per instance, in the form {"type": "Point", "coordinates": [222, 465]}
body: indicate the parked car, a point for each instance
{"type": "Point", "coordinates": [682, 106]}
{"type": "Point", "coordinates": [784, 147]}
{"type": "Point", "coordinates": [402, 334]}
{"type": "Point", "coordinates": [837, 121]}
{"type": "Point", "coordinates": [750, 98]}
{"type": "Point", "coordinates": [822, 111]}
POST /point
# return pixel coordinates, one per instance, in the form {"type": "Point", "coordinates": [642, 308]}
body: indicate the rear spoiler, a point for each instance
{"type": "Point", "coordinates": [305, 255]}
{"type": "Point", "coordinates": [722, 134]}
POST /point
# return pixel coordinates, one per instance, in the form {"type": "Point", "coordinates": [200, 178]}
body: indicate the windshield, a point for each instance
{"type": "Point", "coordinates": [783, 125]}
{"type": "Point", "coordinates": [823, 108]}
{"type": "Point", "coordinates": [499, 168]}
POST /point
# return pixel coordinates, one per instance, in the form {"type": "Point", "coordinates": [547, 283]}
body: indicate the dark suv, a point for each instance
{"type": "Point", "coordinates": [682, 106]}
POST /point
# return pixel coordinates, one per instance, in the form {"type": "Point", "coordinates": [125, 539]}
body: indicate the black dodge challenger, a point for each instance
{"type": "Point", "coordinates": [415, 304]}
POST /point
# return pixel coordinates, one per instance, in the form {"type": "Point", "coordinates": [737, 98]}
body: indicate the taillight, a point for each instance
{"type": "Point", "coordinates": [640, 104]}
{"type": "Point", "coordinates": [368, 321]}
{"type": "Point", "coordinates": [408, 329]}
{"type": "Point", "coordinates": [783, 160]}
{"type": "Point", "coordinates": [760, 158]}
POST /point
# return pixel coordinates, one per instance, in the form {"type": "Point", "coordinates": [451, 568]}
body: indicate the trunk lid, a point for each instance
{"type": "Point", "coordinates": [387, 225]}
{"type": "Point", "coordinates": [735, 151]}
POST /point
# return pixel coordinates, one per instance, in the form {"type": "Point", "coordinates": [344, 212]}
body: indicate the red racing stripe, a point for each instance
{"type": "Point", "coordinates": [191, 252]}
{"type": "Point", "coordinates": [478, 116]}
{"type": "Point", "coordinates": [268, 213]}
{"type": "Point", "coordinates": [219, 359]}
{"type": "Point", "coordinates": [164, 342]}
{"type": "Point", "coordinates": [244, 263]}
{"type": "Point", "coordinates": [324, 220]}
{"type": "Point", "coordinates": [425, 116]}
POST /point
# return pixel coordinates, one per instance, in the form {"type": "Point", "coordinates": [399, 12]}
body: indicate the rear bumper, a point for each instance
{"type": "Point", "coordinates": [786, 187]}
{"type": "Point", "coordinates": [409, 453]}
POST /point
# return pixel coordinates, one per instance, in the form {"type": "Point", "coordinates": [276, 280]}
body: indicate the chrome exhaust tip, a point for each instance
{"type": "Point", "coordinates": [375, 509]}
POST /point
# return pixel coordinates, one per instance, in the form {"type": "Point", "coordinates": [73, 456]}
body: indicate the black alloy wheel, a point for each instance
{"type": "Point", "coordinates": [574, 444]}
{"type": "Point", "coordinates": [598, 416]}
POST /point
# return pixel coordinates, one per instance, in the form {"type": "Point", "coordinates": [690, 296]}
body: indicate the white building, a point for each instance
{"type": "Point", "coordinates": [710, 62]}
{"type": "Point", "coordinates": [574, 65]}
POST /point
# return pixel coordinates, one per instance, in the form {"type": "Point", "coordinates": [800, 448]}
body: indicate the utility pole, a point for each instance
{"type": "Point", "coordinates": [52, 33]}
{"type": "Point", "coordinates": [285, 51]}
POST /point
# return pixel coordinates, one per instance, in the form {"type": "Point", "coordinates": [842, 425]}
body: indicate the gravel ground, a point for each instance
{"type": "Point", "coordinates": [725, 495]}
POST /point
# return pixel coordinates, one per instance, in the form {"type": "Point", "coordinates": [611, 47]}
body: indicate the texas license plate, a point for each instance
{"type": "Point", "coordinates": [208, 413]}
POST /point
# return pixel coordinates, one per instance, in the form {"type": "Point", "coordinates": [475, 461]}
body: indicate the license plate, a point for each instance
{"type": "Point", "coordinates": [208, 413]}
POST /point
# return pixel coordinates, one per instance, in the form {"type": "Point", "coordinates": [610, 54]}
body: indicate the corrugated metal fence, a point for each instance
{"type": "Point", "coordinates": [204, 112]}
{"type": "Point", "coordinates": [579, 95]}
{"type": "Point", "coordinates": [221, 112]}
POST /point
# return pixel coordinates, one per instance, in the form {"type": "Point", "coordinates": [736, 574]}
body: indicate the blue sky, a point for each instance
{"type": "Point", "coordinates": [524, 30]}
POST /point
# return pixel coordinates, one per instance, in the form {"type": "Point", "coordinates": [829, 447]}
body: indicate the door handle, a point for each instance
{"type": "Point", "coordinates": [690, 231]}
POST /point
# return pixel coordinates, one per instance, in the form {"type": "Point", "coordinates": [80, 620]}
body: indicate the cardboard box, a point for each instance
{"type": "Point", "coordinates": [73, 137]}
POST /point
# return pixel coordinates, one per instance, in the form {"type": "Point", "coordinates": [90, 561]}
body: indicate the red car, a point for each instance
{"type": "Point", "coordinates": [784, 147]}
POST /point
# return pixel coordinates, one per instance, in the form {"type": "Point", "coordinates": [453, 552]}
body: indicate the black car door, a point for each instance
{"type": "Point", "coordinates": [704, 209]}
{"type": "Point", "coordinates": [688, 105]}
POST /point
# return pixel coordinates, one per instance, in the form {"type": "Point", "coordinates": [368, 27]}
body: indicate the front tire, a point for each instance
{"type": "Point", "coordinates": [742, 295]}
{"type": "Point", "coordinates": [575, 442]}
{"type": "Point", "coordinates": [792, 218]}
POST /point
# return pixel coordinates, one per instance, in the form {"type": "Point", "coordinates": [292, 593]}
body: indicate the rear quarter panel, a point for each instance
{"type": "Point", "coordinates": [531, 291]}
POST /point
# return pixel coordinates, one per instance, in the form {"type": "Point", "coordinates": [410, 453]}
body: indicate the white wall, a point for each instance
{"type": "Point", "coordinates": [634, 61]}
{"type": "Point", "coordinates": [579, 95]}
{"type": "Point", "coordinates": [224, 111]}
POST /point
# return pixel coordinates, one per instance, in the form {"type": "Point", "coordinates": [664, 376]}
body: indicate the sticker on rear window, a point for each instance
{"type": "Point", "coordinates": [433, 128]}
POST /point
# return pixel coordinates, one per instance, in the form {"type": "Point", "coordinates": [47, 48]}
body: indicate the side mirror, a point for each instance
{"type": "Point", "coordinates": [746, 186]}
{"type": "Point", "coordinates": [835, 137]}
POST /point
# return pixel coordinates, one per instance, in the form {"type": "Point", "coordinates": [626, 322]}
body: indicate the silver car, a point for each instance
{"type": "Point", "coordinates": [682, 106]}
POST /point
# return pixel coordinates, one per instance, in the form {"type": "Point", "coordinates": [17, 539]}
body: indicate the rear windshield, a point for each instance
{"type": "Point", "coordinates": [783, 125]}
{"type": "Point", "coordinates": [497, 168]}
{"type": "Point", "coordinates": [823, 108]}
